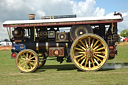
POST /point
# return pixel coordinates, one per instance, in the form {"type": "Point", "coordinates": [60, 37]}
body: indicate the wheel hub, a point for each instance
{"type": "Point", "coordinates": [89, 52]}
{"type": "Point", "coordinates": [27, 61]}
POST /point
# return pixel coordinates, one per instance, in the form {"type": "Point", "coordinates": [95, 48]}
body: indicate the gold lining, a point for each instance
{"type": "Point", "coordinates": [37, 46]}
{"type": "Point", "coordinates": [47, 46]}
{"type": "Point", "coordinates": [112, 28]}
{"type": "Point", "coordinates": [34, 33]}
{"type": "Point", "coordinates": [57, 44]}
{"type": "Point", "coordinates": [66, 45]}
{"type": "Point", "coordinates": [9, 32]}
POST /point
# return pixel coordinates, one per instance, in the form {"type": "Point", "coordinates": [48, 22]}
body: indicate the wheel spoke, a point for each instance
{"type": "Point", "coordinates": [97, 46]}
{"type": "Point", "coordinates": [22, 60]}
{"type": "Point", "coordinates": [22, 64]}
{"type": "Point", "coordinates": [82, 61]}
{"type": "Point", "coordinates": [89, 41]}
{"type": "Point", "coordinates": [99, 52]}
{"type": "Point", "coordinates": [26, 66]}
{"type": "Point", "coordinates": [100, 48]}
{"type": "Point", "coordinates": [78, 56]}
{"type": "Point", "coordinates": [100, 56]}
{"type": "Point", "coordinates": [80, 52]}
{"type": "Point", "coordinates": [30, 66]}
{"type": "Point", "coordinates": [82, 44]}
{"type": "Point", "coordinates": [86, 43]}
{"type": "Point", "coordinates": [95, 43]}
{"type": "Point", "coordinates": [24, 55]}
{"type": "Point", "coordinates": [89, 64]}
{"type": "Point", "coordinates": [82, 47]}
{"type": "Point", "coordinates": [78, 49]}
{"type": "Point", "coordinates": [32, 57]}
{"type": "Point", "coordinates": [31, 63]}
{"type": "Point", "coordinates": [86, 62]}
{"type": "Point", "coordinates": [27, 54]}
{"type": "Point", "coordinates": [97, 58]}
{"type": "Point", "coordinates": [92, 43]}
{"type": "Point", "coordinates": [96, 62]}
{"type": "Point", "coordinates": [92, 62]}
{"type": "Point", "coordinates": [81, 58]}
{"type": "Point", "coordinates": [33, 60]}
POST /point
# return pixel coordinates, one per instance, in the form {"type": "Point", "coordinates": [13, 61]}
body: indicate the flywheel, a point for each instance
{"type": "Point", "coordinates": [78, 30]}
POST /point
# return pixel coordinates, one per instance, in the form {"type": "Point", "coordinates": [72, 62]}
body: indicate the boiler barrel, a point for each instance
{"type": "Point", "coordinates": [44, 46]}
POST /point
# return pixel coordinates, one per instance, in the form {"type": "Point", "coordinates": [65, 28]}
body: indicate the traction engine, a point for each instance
{"type": "Point", "coordinates": [88, 42]}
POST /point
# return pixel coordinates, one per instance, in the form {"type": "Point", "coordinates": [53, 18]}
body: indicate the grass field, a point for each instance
{"type": "Point", "coordinates": [54, 73]}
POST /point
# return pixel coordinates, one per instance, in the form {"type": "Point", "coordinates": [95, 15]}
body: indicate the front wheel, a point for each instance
{"type": "Point", "coordinates": [89, 52]}
{"type": "Point", "coordinates": [27, 60]}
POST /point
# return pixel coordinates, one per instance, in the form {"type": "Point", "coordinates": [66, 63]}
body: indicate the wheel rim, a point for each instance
{"type": "Point", "coordinates": [41, 63]}
{"type": "Point", "coordinates": [89, 52]}
{"type": "Point", "coordinates": [27, 61]}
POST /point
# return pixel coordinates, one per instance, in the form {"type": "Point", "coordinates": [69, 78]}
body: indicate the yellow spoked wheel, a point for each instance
{"type": "Point", "coordinates": [41, 61]}
{"type": "Point", "coordinates": [27, 60]}
{"type": "Point", "coordinates": [89, 52]}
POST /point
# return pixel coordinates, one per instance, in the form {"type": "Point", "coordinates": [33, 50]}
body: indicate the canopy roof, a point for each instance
{"type": "Point", "coordinates": [63, 21]}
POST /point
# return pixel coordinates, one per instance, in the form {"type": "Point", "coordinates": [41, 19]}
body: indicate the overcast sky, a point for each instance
{"type": "Point", "coordinates": [19, 9]}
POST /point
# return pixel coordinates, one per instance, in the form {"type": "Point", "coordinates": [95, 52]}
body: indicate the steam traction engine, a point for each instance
{"type": "Point", "coordinates": [88, 41]}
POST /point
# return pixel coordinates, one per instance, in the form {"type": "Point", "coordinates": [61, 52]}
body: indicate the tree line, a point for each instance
{"type": "Point", "coordinates": [124, 33]}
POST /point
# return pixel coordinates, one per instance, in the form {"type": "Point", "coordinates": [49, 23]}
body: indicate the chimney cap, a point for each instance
{"type": "Point", "coordinates": [31, 16]}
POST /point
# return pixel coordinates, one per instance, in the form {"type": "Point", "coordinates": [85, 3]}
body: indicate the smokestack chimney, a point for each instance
{"type": "Point", "coordinates": [31, 16]}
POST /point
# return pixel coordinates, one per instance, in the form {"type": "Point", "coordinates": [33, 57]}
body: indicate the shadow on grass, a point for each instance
{"type": "Point", "coordinates": [65, 67]}
{"type": "Point", "coordinates": [59, 67]}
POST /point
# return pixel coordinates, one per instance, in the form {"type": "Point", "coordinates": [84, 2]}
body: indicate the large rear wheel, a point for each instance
{"type": "Point", "coordinates": [27, 60]}
{"type": "Point", "coordinates": [89, 52]}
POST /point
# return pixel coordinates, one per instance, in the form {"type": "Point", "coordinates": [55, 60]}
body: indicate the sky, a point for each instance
{"type": "Point", "coordinates": [19, 10]}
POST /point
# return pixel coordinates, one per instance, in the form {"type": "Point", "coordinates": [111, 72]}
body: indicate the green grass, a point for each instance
{"type": "Point", "coordinates": [54, 73]}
